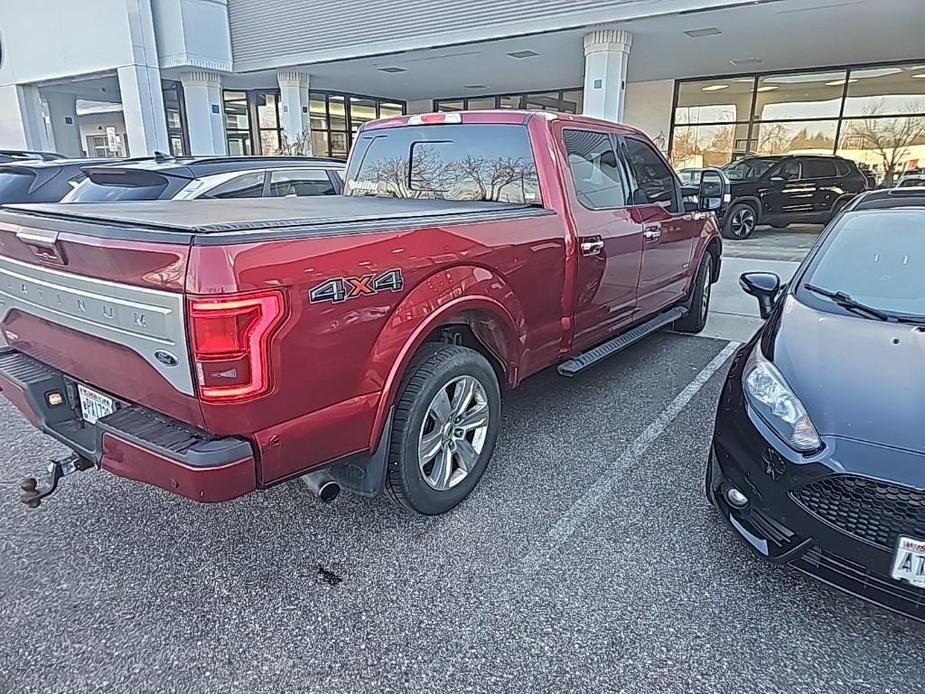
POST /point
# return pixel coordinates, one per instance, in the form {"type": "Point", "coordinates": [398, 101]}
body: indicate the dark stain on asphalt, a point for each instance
{"type": "Point", "coordinates": [329, 576]}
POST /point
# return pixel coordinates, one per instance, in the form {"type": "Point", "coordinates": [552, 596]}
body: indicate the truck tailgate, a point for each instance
{"type": "Point", "coordinates": [107, 312]}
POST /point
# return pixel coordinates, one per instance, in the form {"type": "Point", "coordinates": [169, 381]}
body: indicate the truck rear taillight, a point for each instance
{"type": "Point", "coordinates": [230, 338]}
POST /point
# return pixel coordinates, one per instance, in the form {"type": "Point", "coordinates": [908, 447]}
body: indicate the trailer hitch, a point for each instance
{"type": "Point", "coordinates": [32, 494]}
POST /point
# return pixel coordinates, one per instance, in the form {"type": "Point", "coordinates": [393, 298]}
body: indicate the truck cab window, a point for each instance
{"type": "Point", "coordinates": [655, 183]}
{"type": "Point", "coordinates": [596, 173]}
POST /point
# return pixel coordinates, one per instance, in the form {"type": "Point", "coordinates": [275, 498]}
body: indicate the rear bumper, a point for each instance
{"type": "Point", "coordinates": [132, 442]}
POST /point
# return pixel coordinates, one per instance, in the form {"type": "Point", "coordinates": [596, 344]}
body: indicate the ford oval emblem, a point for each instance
{"type": "Point", "coordinates": [165, 358]}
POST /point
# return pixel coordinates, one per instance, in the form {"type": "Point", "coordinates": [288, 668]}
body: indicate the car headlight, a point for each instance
{"type": "Point", "coordinates": [769, 394]}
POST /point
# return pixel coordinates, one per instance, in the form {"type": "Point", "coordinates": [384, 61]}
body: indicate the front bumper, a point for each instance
{"type": "Point", "coordinates": [132, 442]}
{"type": "Point", "coordinates": [831, 515]}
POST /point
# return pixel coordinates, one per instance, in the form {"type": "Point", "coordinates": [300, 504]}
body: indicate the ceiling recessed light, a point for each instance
{"type": "Point", "coordinates": [838, 83]}
{"type": "Point", "coordinates": [393, 68]}
{"type": "Point", "coordinates": [767, 88]}
{"type": "Point", "coordinates": [745, 61]}
{"type": "Point", "coordinates": [523, 54]}
{"type": "Point", "coordinates": [707, 31]}
{"type": "Point", "coordinates": [920, 76]}
{"type": "Point", "coordinates": [715, 87]}
{"type": "Point", "coordinates": [475, 86]}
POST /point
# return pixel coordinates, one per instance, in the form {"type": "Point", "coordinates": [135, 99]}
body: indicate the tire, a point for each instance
{"type": "Point", "coordinates": [740, 221]}
{"type": "Point", "coordinates": [780, 225]}
{"type": "Point", "coordinates": [699, 304]}
{"type": "Point", "coordinates": [837, 208]}
{"type": "Point", "coordinates": [428, 410]}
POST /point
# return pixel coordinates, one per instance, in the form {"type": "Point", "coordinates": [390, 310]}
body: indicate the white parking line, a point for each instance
{"type": "Point", "coordinates": [597, 493]}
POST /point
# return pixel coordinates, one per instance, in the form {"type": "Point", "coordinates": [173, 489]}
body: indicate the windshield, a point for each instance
{"type": "Point", "coordinates": [878, 259]}
{"type": "Point", "coordinates": [14, 186]}
{"type": "Point", "coordinates": [748, 168]}
{"type": "Point", "coordinates": [445, 162]}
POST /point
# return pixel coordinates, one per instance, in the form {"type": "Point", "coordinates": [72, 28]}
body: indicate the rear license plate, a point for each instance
{"type": "Point", "coordinates": [93, 405]}
{"type": "Point", "coordinates": [909, 561]}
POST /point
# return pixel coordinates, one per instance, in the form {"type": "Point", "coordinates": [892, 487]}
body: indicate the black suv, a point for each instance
{"type": "Point", "coordinates": [41, 180]}
{"type": "Point", "coordinates": [783, 190]}
{"type": "Point", "coordinates": [188, 178]}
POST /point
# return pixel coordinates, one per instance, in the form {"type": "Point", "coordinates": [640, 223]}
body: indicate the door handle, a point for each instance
{"type": "Point", "coordinates": [591, 246]}
{"type": "Point", "coordinates": [652, 232]}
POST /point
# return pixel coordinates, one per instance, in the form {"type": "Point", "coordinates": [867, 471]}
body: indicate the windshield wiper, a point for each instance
{"type": "Point", "coordinates": [845, 300]}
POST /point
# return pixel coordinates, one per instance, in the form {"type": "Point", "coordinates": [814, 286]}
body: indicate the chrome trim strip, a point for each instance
{"type": "Point", "coordinates": [144, 320]}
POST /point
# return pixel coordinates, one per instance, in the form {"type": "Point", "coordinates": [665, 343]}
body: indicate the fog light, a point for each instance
{"type": "Point", "coordinates": [736, 498]}
{"type": "Point", "coordinates": [54, 398]}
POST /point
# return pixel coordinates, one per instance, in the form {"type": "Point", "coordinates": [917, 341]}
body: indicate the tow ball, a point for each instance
{"type": "Point", "coordinates": [32, 494]}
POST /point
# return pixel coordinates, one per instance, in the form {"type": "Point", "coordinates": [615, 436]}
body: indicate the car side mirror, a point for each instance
{"type": "Point", "coordinates": [764, 286]}
{"type": "Point", "coordinates": [713, 193]}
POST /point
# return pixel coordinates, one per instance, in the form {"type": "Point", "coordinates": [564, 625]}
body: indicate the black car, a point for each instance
{"type": "Point", "coordinates": [187, 178]}
{"type": "Point", "coordinates": [7, 155]}
{"type": "Point", "coordinates": [783, 190]}
{"type": "Point", "coordinates": [41, 180]}
{"type": "Point", "coordinates": [818, 456]}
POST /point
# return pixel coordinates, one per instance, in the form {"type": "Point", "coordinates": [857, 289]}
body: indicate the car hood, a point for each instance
{"type": "Point", "coordinates": [857, 378]}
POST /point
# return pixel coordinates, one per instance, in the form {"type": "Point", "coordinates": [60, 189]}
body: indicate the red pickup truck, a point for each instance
{"type": "Point", "coordinates": [362, 341]}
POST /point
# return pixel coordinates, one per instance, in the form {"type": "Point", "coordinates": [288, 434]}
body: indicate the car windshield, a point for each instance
{"type": "Point", "coordinates": [877, 258]}
{"type": "Point", "coordinates": [445, 162]}
{"type": "Point", "coordinates": [90, 191]}
{"type": "Point", "coordinates": [749, 168]}
{"type": "Point", "coordinates": [14, 186]}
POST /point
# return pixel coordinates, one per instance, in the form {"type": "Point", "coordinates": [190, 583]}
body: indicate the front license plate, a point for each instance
{"type": "Point", "coordinates": [909, 561]}
{"type": "Point", "coordinates": [93, 405]}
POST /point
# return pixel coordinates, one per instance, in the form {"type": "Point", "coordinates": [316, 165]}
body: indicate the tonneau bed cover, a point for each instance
{"type": "Point", "coordinates": [321, 214]}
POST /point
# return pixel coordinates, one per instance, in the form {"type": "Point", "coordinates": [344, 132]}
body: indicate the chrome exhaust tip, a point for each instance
{"type": "Point", "coordinates": [322, 485]}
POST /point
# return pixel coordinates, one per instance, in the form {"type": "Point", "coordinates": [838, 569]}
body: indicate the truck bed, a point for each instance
{"type": "Point", "coordinates": [216, 220]}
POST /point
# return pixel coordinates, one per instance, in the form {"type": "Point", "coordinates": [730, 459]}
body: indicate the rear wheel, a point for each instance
{"type": "Point", "coordinates": [837, 208]}
{"type": "Point", "coordinates": [699, 303]}
{"type": "Point", "coordinates": [444, 429]}
{"type": "Point", "coordinates": [740, 221]}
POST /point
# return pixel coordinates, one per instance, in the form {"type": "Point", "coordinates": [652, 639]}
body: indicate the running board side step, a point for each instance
{"type": "Point", "coordinates": [620, 342]}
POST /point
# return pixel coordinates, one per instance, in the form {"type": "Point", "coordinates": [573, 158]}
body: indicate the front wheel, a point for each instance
{"type": "Point", "coordinates": [699, 303]}
{"type": "Point", "coordinates": [444, 429]}
{"type": "Point", "coordinates": [740, 222]}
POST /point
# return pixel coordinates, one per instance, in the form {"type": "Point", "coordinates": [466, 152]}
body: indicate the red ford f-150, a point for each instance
{"type": "Point", "coordinates": [362, 341]}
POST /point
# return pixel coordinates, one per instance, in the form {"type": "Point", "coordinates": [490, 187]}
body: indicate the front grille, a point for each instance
{"type": "Point", "coordinates": [874, 511]}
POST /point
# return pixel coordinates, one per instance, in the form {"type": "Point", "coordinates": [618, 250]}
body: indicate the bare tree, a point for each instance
{"type": "Point", "coordinates": [889, 137]}
{"type": "Point", "coordinates": [773, 138]}
{"type": "Point", "coordinates": [300, 145]}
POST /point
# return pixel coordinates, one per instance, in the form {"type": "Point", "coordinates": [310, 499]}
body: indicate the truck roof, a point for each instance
{"type": "Point", "coordinates": [323, 214]}
{"type": "Point", "coordinates": [507, 117]}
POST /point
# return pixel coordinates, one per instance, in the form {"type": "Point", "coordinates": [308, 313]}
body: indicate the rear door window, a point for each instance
{"type": "Point", "coordinates": [655, 182]}
{"type": "Point", "coordinates": [596, 171]}
{"type": "Point", "coordinates": [300, 183]}
{"type": "Point", "coordinates": [842, 167]}
{"type": "Point", "coordinates": [446, 162]}
{"type": "Point", "coordinates": [249, 185]}
{"type": "Point", "coordinates": [818, 168]}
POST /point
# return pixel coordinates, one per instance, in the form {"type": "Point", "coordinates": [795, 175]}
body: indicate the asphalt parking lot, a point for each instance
{"type": "Point", "coordinates": [586, 560]}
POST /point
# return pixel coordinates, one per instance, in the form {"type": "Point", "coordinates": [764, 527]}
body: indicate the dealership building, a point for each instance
{"type": "Point", "coordinates": [708, 80]}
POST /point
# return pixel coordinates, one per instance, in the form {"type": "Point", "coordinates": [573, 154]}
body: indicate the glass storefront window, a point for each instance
{"type": "Point", "coordinates": [483, 104]}
{"type": "Point", "coordinates": [267, 110]}
{"type": "Point", "coordinates": [337, 113]}
{"type": "Point", "coordinates": [174, 114]}
{"type": "Point", "coordinates": [236, 116]}
{"type": "Point", "coordinates": [804, 137]}
{"type": "Point", "coordinates": [567, 101]}
{"type": "Point", "coordinates": [715, 101]}
{"type": "Point", "coordinates": [810, 95]}
{"type": "Point", "coordinates": [698, 146]}
{"type": "Point", "coordinates": [449, 105]}
{"type": "Point", "coordinates": [387, 110]}
{"type": "Point", "coordinates": [876, 114]}
{"type": "Point", "coordinates": [886, 91]}
{"type": "Point", "coordinates": [361, 111]}
{"type": "Point", "coordinates": [572, 101]}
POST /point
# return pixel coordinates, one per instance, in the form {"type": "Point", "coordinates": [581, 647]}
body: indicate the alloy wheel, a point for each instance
{"type": "Point", "coordinates": [453, 433]}
{"type": "Point", "coordinates": [743, 222]}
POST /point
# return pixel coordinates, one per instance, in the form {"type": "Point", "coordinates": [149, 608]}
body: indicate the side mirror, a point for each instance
{"type": "Point", "coordinates": [764, 286]}
{"type": "Point", "coordinates": [713, 193]}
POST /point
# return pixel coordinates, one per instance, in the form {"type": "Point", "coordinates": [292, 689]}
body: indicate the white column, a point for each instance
{"type": "Point", "coordinates": [62, 108]}
{"type": "Point", "coordinates": [294, 117]}
{"type": "Point", "coordinates": [143, 108]}
{"type": "Point", "coordinates": [205, 121]}
{"type": "Point", "coordinates": [607, 53]}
